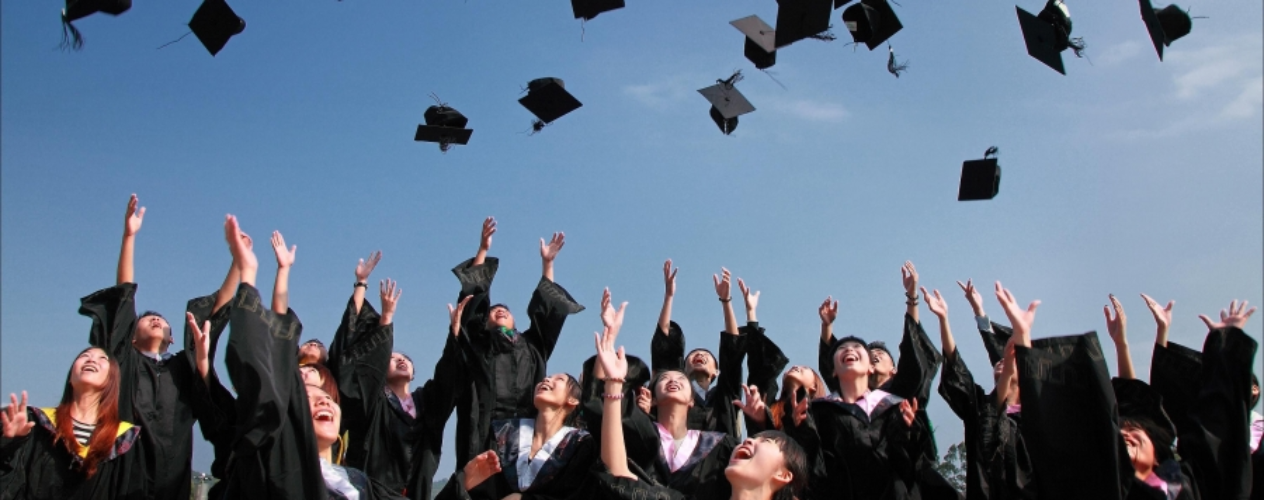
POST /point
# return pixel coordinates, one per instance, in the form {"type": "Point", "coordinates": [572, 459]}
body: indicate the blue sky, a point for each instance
{"type": "Point", "coordinates": [1125, 176]}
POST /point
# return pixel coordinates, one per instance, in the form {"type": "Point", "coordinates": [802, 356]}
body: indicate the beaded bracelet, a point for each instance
{"type": "Point", "coordinates": [612, 396]}
{"type": "Point", "coordinates": [610, 379]}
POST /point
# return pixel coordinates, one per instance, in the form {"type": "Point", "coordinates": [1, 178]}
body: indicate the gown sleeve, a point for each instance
{"type": "Point", "coordinates": [262, 366]}
{"type": "Point", "coordinates": [1175, 372]}
{"type": "Point", "coordinates": [728, 385]}
{"type": "Point", "coordinates": [764, 361]}
{"type": "Point", "coordinates": [113, 314]}
{"type": "Point", "coordinates": [435, 405]}
{"type": "Point", "coordinates": [214, 405]}
{"type": "Point", "coordinates": [825, 363]}
{"type": "Point", "coordinates": [1069, 419]}
{"type": "Point", "coordinates": [548, 309]}
{"type": "Point", "coordinates": [476, 281]}
{"type": "Point", "coordinates": [919, 361]}
{"type": "Point", "coordinates": [958, 389]}
{"type": "Point", "coordinates": [667, 349]}
{"type": "Point", "coordinates": [1217, 444]}
{"type": "Point", "coordinates": [363, 362]}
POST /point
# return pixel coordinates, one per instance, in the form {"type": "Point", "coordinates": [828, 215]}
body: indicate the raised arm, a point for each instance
{"type": "Point", "coordinates": [723, 288]}
{"type": "Point", "coordinates": [285, 259]}
{"type": "Point", "coordinates": [908, 274]}
{"type": "Point", "coordinates": [202, 345]}
{"type": "Point", "coordinates": [669, 285]}
{"type": "Point", "coordinates": [131, 225]}
{"type": "Point", "coordinates": [1118, 329]}
{"type": "Point", "coordinates": [939, 307]}
{"type": "Point", "coordinates": [485, 242]}
{"type": "Point", "coordinates": [615, 365]}
{"type": "Point", "coordinates": [549, 251]}
{"type": "Point", "coordinates": [1162, 318]}
{"type": "Point", "coordinates": [751, 299]}
{"type": "Point", "coordinates": [1020, 319]}
{"type": "Point", "coordinates": [362, 271]}
{"type": "Point", "coordinates": [825, 354]}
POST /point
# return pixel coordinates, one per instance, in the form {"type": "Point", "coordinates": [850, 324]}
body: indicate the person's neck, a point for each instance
{"type": "Point", "coordinates": [547, 422]}
{"type": "Point", "coordinates": [703, 379]}
{"type": "Point", "coordinates": [1143, 472]}
{"type": "Point", "coordinates": [402, 389]}
{"type": "Point", "coordinates": [879, 379]}
{"type": "Point", "coordinates": [327, 452]}
{"type": "Point", "coordinates": [675, 418]}
{"type": "Point", "coordinates": [852, 387]}
{"type": "Point", "coordinates": [150, 348]}
{"type": "Point", "coordinates": [85, 406]}
{"type": "Point", "coordinates": [762, 492]}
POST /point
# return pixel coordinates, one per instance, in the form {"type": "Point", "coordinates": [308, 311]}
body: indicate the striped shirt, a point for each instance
{"type": "Point", "coordinates": [83, 432]}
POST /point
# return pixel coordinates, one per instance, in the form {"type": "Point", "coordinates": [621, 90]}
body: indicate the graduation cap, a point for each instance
{"type": "Point", "coordinates": [78, 9]}
{"type": "Point", "coordinates": [548, 100]}
{"type": "Point", "coordinates": [726, 102]}
{"type": "Point", "coordinates": [214, 23]}
{"type": "Point", "coordinates": [761, 46]}
{"type": "Point", "coordinates": [445, 126]}
{"type": "Point", "coordinates": [588, 9]}
{"type": "Point", "coordinates": [980, 179]}
{"type": "Point", "coordinates": [838, 4]}
{"type": "Point", "coordinates": [1165, 25]}
{"type": "Point", "coordinates": [871, 22]}
{"type": "Point", "coordinates": [1048, 34]}
{"type": "Point", "coordinates": [1141, 404]}
{"type": "Point", "coordinates": [799, 19]}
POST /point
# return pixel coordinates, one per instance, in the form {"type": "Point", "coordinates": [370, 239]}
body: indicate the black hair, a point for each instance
{"type": "Point", "coordinates": [709, 353]}
{"type": "Point", "coordinates": [878, 345]}
{"type": "Point", "coordinates": [1160, 437]}
{"type": "Point", "coordinates": [410, 361]}
{"type": "Point", "coordinates": [166, 331]}
{"type": "Point", "coordinates": [658, 375]}
{"type": "Point", "coordinates": [838, 344]}
{"type": "Point", "coordinates": [796, 462]}
{"type": "Point", "coordinates": [501, 306]}
{"type": "Point", "coordinates": [1255, 398]}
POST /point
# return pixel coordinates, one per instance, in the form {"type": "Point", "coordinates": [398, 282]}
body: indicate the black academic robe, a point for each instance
{"type": "Point", "coordinates": [1069, 418]}
{"type": "Point", "coordinates": [274, 452]}
{"type": "Point", "coordinates": [566, 474]}
{"type": "Point", "coordinates": [34, 467]}
{"type": "Point", "coordinates": [1207, 396]}
{"type": "Point", "coordinates": [383, 439]}
{"type": "Point", "coordinates": [218, 423]}
{"type": "Point", "coordinates": [854, 456]}
{"type": "Point", "coordinates": [764, 361]}
{"type": "Point", "coordinates": [511, 365]}
{"type": "Point", "coordinates": [702, 471]}
{"type": "Point", "coordinates": [163, 397]}
{"type": "Point", "coordinates": [997, 467]}
{"type": "Point", "coordinates": [712, 411]}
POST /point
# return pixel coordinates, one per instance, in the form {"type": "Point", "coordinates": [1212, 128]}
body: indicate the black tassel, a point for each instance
{"type": "Point", "coordinates": [70, 36]}
{"type": "Point", "coordinates": [174, 41]}
{"type": "Point", "coordinates": [825, 36]}
{"type": "Point", "coordinates": [537, 126]}
{"type": "Point", "coordinates": [991, 151]}
{"type": "Point", "coordinates": [894, 67]}
{"type": "Point", "coordinates": [732, 80]}
{"type": "Point", "coordinates": [1077, 45]}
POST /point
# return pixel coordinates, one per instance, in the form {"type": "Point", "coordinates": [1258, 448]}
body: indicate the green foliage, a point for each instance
{"type": "Point", "coordinates": [953, 466]}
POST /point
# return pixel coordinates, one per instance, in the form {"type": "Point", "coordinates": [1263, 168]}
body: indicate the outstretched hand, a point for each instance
{"type": "Point", "coordinates": [242, 248]}
{"type": "Point", "coordinates": [723, 285]}
{"type": "Point", "coordinates": [828, 311]}
{"type": "Point", "coordinates": [489, 228]}
{"type": "Point", "coordinates": [936, 303]}
{"type": "Point", "coordinates": [908, 410]}
{"type": "Point", "coordinates": [285, 257]}
{"type": "Point", "coordinates": [750, 297]}
{"type": "Point", "coordinates": [973, 296]}
{"type": "Point", "coordinates": [669, 278]}
{"type": "Point", "coordinates": [644, 399]}
{"type": "Point", "coordinates": [454, 315]}
{"type": "Point", "coordinates": [14, 418]}
{"type": "Point", "coordinates": [610, 318]}
{"type": "Point", "coordinates": [1118, 325]}
{"type": "Point", "coordinates": [365, 268]}
{"type": "Point", "coordinates": [800, 409]}
{"type": "Point", "coordinates": [1235, 316]}
{"type": "Point", "coordinates": [754, 406]}
{"type": "Point", "coordinates": [480, 468]}
{"type": "Point", "coordinates": [1162, 314]}
{"type": "Point", "coordinates": [908, 274]}
{"type": "Point", "coordinates": [1020, 319]}
{"type": "Point", "coordinates": [201, 343]}
{"type": "Point", "coordinates": [135, 217]}
{"type": "Point", "coordinates": [549, 251]}
{"type": "Point", "coordinates": [389, 293]}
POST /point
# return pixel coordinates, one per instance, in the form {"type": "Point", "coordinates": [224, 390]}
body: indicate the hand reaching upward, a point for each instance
{"type": "Point", "coordinates": [135, 217]}
{"type": "Point", "coordinates": [454, 315]}
{"type": "Point", "coordinates": [973, 296]}
{"type": "Point", "coordinates": [489, 229]}
{"type": "Point", "coordinates": [669, 278]}
{"type": "Point", "coordinates": [908, 275]}
{"type": "Point", "coordinates": [1235, 316]}
{"type": "Point", "coordinates": [828, 311]}
{"type": "Point", "coordinates": [549, 251]}
{"type": "Point", "coordinates": [365, 268]}
{"type": "Point", "coordinates": [723, 286]}
{"type": "Point", "coordinates": [285, 257]}
{"type": "Point", "coordinates": [936, 303]}
{"type": "Point", "coordinates": [390, 298]}
{"type": "Point", "coordinates": [1020, 319]}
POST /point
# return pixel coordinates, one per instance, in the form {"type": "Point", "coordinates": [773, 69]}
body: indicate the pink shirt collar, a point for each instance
{"type": "Point", "coordinates": [1156, 482]}
{"type": "Point", "coordinates": [869, 401]}
{"type": "Point", "coordinates": [676, 457]}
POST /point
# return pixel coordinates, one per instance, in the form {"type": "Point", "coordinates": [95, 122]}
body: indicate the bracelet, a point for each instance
{"type": "Point", "coordinates": [361, 284]}
{"type": "Point", "coordinates": [609, 379]}
{"type": "Point", "coordinates": [911, 302]}
{"type": "Point", "coordinates": [612, 396]}
{"type": "Point", "coordinates": [730, 299]}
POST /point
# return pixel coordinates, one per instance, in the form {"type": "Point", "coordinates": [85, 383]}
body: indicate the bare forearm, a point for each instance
{"type": "Point", "coordinates": [126, 263]}
{"type": "Point", "coordinates": [827, 333]}
{"type": "Point", "coordinates": [480, 257]}
{"type": "Point", "coordinates": [664, 316]}
{"type": "Point", "coordinates": [548, 269]}
{"type": "Point", "coordinates": [911, 308]}
{"type": "Point", "coordinates": [1160, 337]}
{"type": "Point", "coordinates": [1124, 357]}
{"type": "Point", "coordinates": [227, 289]}
{"type": "Point", "coordinates": [945, 337]}
{"type": "Point", "coordinates": [730, 318]}
{"type": "Point", "coordinates": [357, 296]}
{"type": "Point", "coordinates": [613, 452]}
{"type": "Point", "coordinates": [281, 291]}
{"type": "Point", "coordinates": [750, 315]}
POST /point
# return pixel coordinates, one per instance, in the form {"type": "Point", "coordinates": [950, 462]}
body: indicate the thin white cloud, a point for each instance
{"type": "Point", "coordinates": [1248, 102]}
{"type": "Point", "coordinates": [816, 111]}
{"type": "Point", "coordinates": [1118, 53]}
{"type": "Point", "coordinates": [662, 93]}
{"type": "Point", "coordinates": [1215, 69]}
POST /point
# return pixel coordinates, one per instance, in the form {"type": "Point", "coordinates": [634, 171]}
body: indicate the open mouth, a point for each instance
{"type": "Point", "coordinates": [673, 387]}
{"type": "Point", "coordinates": [743, 452]}
{"type": "Point", "coordinates": [543, 388]}
{"type": "Point", "coordinates": [323, 416]}
{"type": "Point", "coordinates": [90, 368]}
{"type": "Point", "coordinates": [851, 357]}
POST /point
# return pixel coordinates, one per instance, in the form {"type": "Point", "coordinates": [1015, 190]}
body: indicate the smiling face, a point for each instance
{"type": "Point", "coordinates": [557, 391]}
{"type": "Point", "coordinates": [400, 369]}
{"type": "Point", "coordinates": [883, 364]}
{"type": "Point", "coordinates": [312, 352]}
{"type": "Point", "coordinates": [1140, 449]}
{"type": "Point", "coordinates": [500, 317]}
{"type": "Point", "coordinates": [852, 360]}
{"type": "Point", "coordinates": [762, 462]}
{"type": "Point", "coordinates": [311, 376]}
{"type": "Point", "coordinates": [701, 364]}
{"type": "Point", "coordinates": [801, 376]}
{"type": "Point", "coordinates": [90, 371]}
{"type": "Point", "coordinates": [152, 332]}
{"type": "Point", "coordinates": [673, 386]}
{"type": "Point", "coordinates": [326, 416]}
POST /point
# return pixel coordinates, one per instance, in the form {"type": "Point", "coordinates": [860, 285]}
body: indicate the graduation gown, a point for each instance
{"type": "Point", "coordinates": [566, 473]}
{"type": "Point", "coordinates": [1070, 422]}
{"type": "Point", "coordinates": [1206, 394]}
{"type": "Point", "coordinates": [218, 422]}
{"type": "Point", "coordinates": [701, 472]}
{"type": "Point", "coordinates": [997, 467]}
{"type": "Point", "coordinates": [854, 456]}
{"type": "Point", "coordinates": [33, 467]}
{"type": "Point", "coordinates": [711, 411]}
{"type": "Point", "coordinates": [163, 397]}
{"type": "Point", "coordinates": [384, 440]}
{"type": "Point", "coordinates": [274, 453]}
{"type": "Point", "coordinates": [511, 365]}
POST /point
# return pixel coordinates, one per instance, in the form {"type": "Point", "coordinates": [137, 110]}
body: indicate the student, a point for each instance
{"type": "Point", "coordinates": [514, 360]}
{"type": "Point", "coordinates": [767, 466]}
{"type": "Point", "coordinates": [79, 449]}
